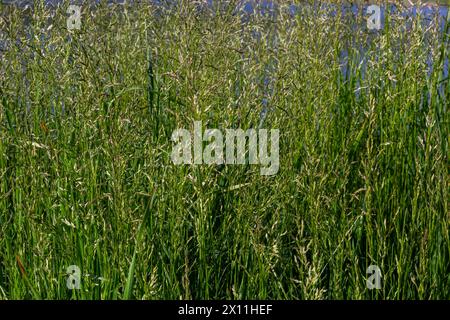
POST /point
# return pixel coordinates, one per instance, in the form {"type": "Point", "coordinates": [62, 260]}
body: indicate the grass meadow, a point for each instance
{"type": "Point", "coordinates": [86, 177]}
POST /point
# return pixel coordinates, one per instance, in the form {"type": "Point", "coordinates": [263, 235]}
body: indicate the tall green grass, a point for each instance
{"type": "Point", "coordinates": [86, 178]}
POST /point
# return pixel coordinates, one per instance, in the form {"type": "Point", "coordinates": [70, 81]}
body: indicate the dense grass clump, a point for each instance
{"type": "Point", "coordinates": [86, 119]}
